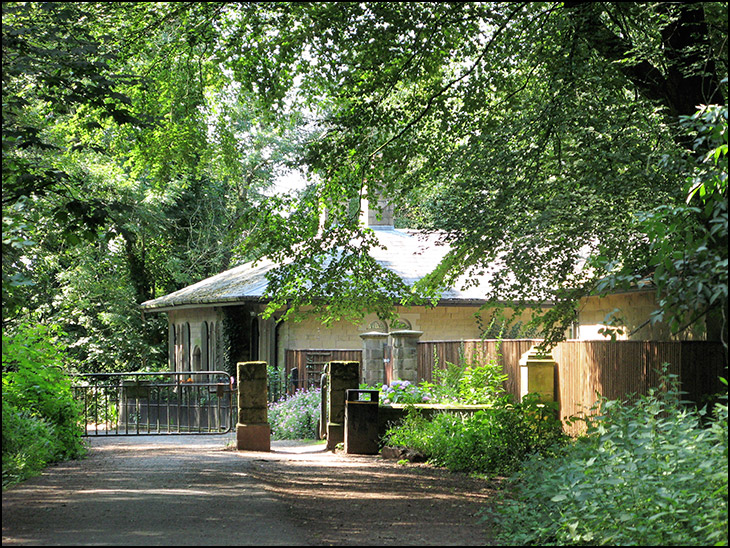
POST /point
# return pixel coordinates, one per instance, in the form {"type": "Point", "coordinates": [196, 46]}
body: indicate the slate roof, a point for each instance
{"type": "Point", "coordinates": [409, 253]}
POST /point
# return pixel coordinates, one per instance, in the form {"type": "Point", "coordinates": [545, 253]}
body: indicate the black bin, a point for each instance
{"type": "Point", "coordinates": [361, 422]}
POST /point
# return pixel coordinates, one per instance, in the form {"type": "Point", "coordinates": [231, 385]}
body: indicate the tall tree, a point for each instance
{"type": "Point", "coordinates": [129, 158]}
{"type": "Point", "coordinates": [144, 135]}
{"type": "Point", "coordinates": [531, 134]}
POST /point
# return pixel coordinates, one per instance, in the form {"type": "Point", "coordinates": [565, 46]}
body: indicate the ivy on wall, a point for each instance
{"type": "Point", "coordinates": [236, 340]}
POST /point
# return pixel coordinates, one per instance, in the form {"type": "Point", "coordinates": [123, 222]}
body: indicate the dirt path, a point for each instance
{"type": "Point", "coordinates": [191, 490]}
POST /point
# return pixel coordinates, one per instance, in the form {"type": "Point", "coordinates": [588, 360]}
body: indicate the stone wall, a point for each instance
{"type": "Point", "coordinates": [635, 309]}
{"type": "Point", "coordinates": [440, 323]}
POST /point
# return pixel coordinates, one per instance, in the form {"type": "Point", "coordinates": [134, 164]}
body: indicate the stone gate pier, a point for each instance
{"type": "Point", "coordinates": [405, 355]}
{"type": "Point", "coordinates": [253, 432]}
{"type": "Point", "coordinates": [343, 376]}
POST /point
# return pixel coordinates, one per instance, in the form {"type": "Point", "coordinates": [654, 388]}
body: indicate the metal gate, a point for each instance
{"type": "Point", "coordinates": [303, 367]}
{"type": "Point", "coordinates": [163, 402]}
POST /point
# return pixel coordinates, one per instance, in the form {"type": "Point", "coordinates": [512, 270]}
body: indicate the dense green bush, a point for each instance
{"type": "Point", "coordinates": [296, 416]}
{"type": "Point", "coordinates": [276, 384]}
{"type": "Point", "coordinates": [493, 441]}
{"type": "Point", "coordinates": [40, 416]}
{"type": "Point", "coordinates": [28, 444]}
{"type": "Point", "coordinates": [651, 473]}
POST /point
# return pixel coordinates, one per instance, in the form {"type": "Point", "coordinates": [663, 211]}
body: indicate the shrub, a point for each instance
{"type": "Point", "coordinates": [28, 444]}
{"type": "Point", "coordinates": [647, 473]}
{"type": "Point", "coordinates": [460, 383]}
{"type": "Point", "coordinates": [467, 382]}
{"type": "Point", "coordinates": [482, 383]}
{"type": "Point", "coordinates": [276, 384]}
{"type": "Point", "coordinates": [40, 417]}
{"type": "Point", "coordinates": [491, 441]}
{"type": "Point", "coordinates": [296, 416]}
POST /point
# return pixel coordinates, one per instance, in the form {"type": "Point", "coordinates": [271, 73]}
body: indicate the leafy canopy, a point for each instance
{"type": "Point", "coordinates": [529, 134]}
{"type": "Point", "coordinates": [141, 141]}
{"type": "Point", "coordinates": [131, 159]}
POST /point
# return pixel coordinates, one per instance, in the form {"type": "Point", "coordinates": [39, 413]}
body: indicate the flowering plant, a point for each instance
{"type": "Point", "coordinates": [402, 392]}
{"type": "Point", "coordinates": [295, 416]}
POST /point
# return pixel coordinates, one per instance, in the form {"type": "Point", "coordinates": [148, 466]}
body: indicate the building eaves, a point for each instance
{"type": "Point", "coordinates": [410, 254]}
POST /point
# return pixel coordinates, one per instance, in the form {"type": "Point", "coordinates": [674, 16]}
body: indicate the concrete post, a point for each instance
{"type": "Point", "coordinates": [373, 367]}
{"type": "Point", "coordinates": [405, 355]}
{"type": "Point", "coordinates": [537, 375]}
{"type": "Point", "coordinates": [253, 432]}
{"type": "Point", "coordinates": [343, 376]}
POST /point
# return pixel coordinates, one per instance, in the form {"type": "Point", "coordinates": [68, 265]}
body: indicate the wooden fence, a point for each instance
{"type": "Point", "coordinates": [618, 369]}
{"type": "Point", "coordinates": [587, 369]}
{"type": "Point", "coordinates": [434, 355]}
{"type": "Point", "coordinates": [303, 368]}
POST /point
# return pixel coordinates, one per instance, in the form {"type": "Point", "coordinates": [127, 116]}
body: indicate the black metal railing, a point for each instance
{"type": "Point", "coordinates": [163, 402]}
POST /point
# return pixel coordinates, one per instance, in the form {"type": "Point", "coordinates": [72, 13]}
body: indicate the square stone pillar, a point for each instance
{"type": "Point", "coordinates": [253, 432]}
{"type": "Point", "coordinates": [537, 375]}
{"type": "Point", "coordinates": [373, 354]}
{"type": "Point", "coordinates": [343, 376]}
{"type": "Point", "coordinates": [405, 355]}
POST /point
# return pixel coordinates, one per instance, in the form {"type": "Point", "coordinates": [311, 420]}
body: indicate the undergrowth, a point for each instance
{"type": "Point", "coordinates": [650, 473]}
{"type": "Point", "coordinates": [40, 419]}
{"type": "Point", "coordinates": [491, 441]}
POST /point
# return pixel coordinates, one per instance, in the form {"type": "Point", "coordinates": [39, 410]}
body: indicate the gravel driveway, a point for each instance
{"type": "Point", "coordinates": [193, 491]}
{"type": "Point", "coordinates": [156, 490]}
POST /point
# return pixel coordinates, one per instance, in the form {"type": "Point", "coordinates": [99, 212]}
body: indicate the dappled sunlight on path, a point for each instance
{"type": "Point", "coordinates": [199, 490]}
{"type": "Point", "coordinates": [157, 490]}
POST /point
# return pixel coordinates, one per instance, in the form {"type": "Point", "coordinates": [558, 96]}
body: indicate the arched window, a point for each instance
{"type": "Point", "coordinates": [171, 346]}
{"type": "Point", "coordinates": [186, 347]}
{"type": "Point", "coordinates": [204, 347]}
{"type": "Point", "coordinates": [219, 352]}
{"type": "Point", "coordinates": [178, 347]}
{"type": "Point", "coordinates": [212, 349]}
{"type": "Point", "coordinates": [197, 361]}
{"type": "Point", "coordinates": [254, 339]}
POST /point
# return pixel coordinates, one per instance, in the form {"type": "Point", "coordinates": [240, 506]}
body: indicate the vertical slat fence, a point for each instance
{"type": "Point", "coordinates": [588, 370]}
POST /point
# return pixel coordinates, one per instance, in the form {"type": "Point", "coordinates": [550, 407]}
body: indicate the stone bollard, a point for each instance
{"type": "Point", "coordinates": [343, 376]}
{"type": "Point", "coordinates": [405, 355]}
{"type": "Point", "coordinates": [253, 432]}
{"type": "Point", "coordinates": [537, 375]}
{"type": "Point", "coordinates": [373, 353]}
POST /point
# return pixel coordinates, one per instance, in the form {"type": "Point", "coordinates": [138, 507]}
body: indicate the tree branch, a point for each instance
{"type": "Point", "coordinates": [447, 87]}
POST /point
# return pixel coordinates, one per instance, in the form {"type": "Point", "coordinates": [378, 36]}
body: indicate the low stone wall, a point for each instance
{"type": "Point", "coordinates": [389, 415]}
